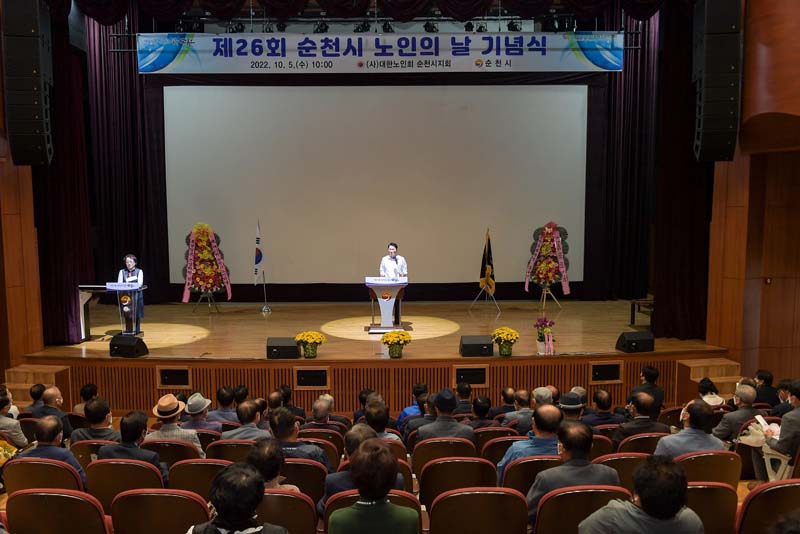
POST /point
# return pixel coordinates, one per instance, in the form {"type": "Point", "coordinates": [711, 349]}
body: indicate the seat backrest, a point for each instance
{"type": "Point", "coordinates": [411, 440]}
{"type": "Point", "coordinates": [207, 437]}
{"type": "Point", "coordinates": [765, 503]}
{"type": "Point", "coordinates": [28, 427]}
{"type": "Point", "coordinates": [195, 475]}
{"type": "Point", "coordinates": [329, 449]}
{"type": "Point", "coordinates": [345, 499]}
{"type": "Point", "coordinates": [403, 468]}
{"type": "Point", "coordinates": [462, 417]}
{"type": "Point", "coordinates": [483, 435]}
{"type": "Point", "coordinates": [601, 445]}
{"type": "Point", "coordinates": [444, 474]}
{"type": "Point", "coordinates": [397, 448]}
{"type": "Point", "coordinates": [711, 466]}
{"type": "Point", "coordinates": [646, 443]}
{"type": "Point", "coordinates": [167, 511]}
{"type": "Point", "coordinates": [233, 450]}
{"type": "Point", "coordinates": [86, 451]}
{"type": "Point", "coordinates": [496, 448]}
{"type": "Point", "coordinates": [105, 479]}
{"type": "Point", "coordinates": [581, 501]}
{"type": "Point", "coordinates": [43, 510]}
{"type": "Point", "coordinates": [229, 425]}
{"type": "Point", "coordinates": [27, 473]}
{"type": "Point", "coordinates": [465, 510]}
{"type": "Point", "coordinates": [762, 406]}
{"type": "Point", "coordinates": [331, 436]}
{"type": "Point", "coordinates": [433, 448]}
{"type": "Point", "coordinates": [294, 511]}
{"type": "Point", "coordinates": [77, 420]}
{"type": "Point", "coordinates": [307, 475]}
{"type": "Point", "coordinates": [671, 416]}
{"type": "Point", "coordinates": [519, 474]}
{"type": "Point", "coordinates": [606, 430]}
{"type": "Point", "coordinates": [715, 503]}
{"type": "Point", "coordinates": [171, 450]}
{"type": "Point", "coordinates": [624, 463]}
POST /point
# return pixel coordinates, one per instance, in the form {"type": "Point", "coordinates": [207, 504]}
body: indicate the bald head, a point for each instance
{"type": "Point", "coordinates": [52, 397]}
{"type": "Point", "coordinates": [48, 430]}
{"type": "Point", "coordinates": [643, 403]}
{"type": "Point", "coordinates": [546, 420]}
{"type": "Point", "coordinates": [274, 400]}
{"type": "Point", "coordinates": [321, 410]}
{"type": "Point", "coordinates": [746, 394]}
{"type": "Point", "coordinates": [522, 398]}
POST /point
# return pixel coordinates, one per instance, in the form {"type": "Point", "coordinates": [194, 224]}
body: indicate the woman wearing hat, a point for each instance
{"type": "Point", "coordinates": [168, 410]}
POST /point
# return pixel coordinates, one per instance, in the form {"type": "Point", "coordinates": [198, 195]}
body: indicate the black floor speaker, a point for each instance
{"type": "Point", "coordinates": [476, 346]}
{"type": "Point", "coordinates": [635, 342]}
{"type": "Point", "coordinates": [282, 348]}
{"type": "Point", "coordinates": [127, 346]}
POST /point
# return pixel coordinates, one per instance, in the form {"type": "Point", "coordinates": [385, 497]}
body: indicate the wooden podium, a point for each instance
{"type": "Point", "coordinates": [386, 291]}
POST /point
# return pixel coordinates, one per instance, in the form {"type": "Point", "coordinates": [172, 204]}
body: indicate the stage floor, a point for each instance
{"type": "Point", "coordinates": [239, 331]}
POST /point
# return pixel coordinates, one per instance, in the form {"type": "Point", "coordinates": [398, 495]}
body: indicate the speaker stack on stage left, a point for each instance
{"type": "Point", "coordinates": [27, 78]}
{"type": "Point", "coordinates": [123, 346]}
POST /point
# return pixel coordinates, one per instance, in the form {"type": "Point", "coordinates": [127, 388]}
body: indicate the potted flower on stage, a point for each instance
{"type": "Point", "coordinates": [505, 338]}
{"type": "Point", "coordinates": [310, 340]}
{"type": "Point", "coordinates": [544, 335]}
{"type": "Point", "coordinates": [396, 340]}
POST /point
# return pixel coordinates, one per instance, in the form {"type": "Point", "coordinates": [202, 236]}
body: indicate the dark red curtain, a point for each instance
{"type": "Point", "coordinates": [528, 8]}
{"type": "Point", "coordinates": [224, 9]}
{"type": "Point", "coordinates": [283, 9]}
{"type": "Point", "coordinates": [106, 12]}
{"type": "Point", "coordinates": [464, 10]}
{"type": "Point", "coordinates": [61, 197]}
{"type": "Point", "coordinates": [165, 10]}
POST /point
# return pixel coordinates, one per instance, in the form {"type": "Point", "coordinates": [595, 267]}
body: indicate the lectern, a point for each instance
{"type": "Point", "coordinates": [386, 293]}
{"type": "Point", "coordinates": [129, 298]}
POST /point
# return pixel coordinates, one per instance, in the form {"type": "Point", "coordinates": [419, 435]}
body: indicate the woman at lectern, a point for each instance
{"type": "Point", "coordinates": [132, 274]}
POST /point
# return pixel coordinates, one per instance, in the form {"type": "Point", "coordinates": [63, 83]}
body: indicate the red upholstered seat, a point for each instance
{"type": "Point", "coordinates": [624, 463]}
{"type": "Point", "coordinates": [233, 450]}
{"type": "Point", "coordinates": [715, 503]}
{"type": "Point", "coordinates": [86, 451]}
{"type": "Point", "coordinates": [484, 435]}
{"type": "Point", "coordinates": [563, 509]}
{"type": "Point", "coordinates": [307, 475]}
{"type": "Point", "coordinates": [348, 498]}
{"type": "Point", "coordinates": [464, 510]}
{"type": "Point", "coordinates": [433, 448]}
{"type": "Point", "coordinates": [601, 445]}
{"type": "Point", "coordinates": [108, 478]}
{"type": "Point", "coordinates": [157, 510]}
{"type": "Point", "coordinates": [520, 473]}
{"type": "Point", "coordinates": [606, 430]}
{"type": "Point", "coordinates": [27, 473]}
{"type": "Point", "coordinates": [290, 509]}
{"type": "Point", "coordinates": [766, 503]}
{"type": "Point", "coordinates": [171, 450]}
{"type": "Point", "coordinates": [195, 475]}
{"type": "Point", "coordinates": [46, 510]}
{"type": "Point", "coordinates": [331, 436]}
{"type": "Point", "coordinates": [496, 448]}
{"type": "Point", "coordinates": [671, 416]}
{"type": "Point", "coordinates": [330, 450]}
{"type": "Point", "coordinates": [444, 474]}
{"type": "Point", "coordinates": [641, 442]}
{"type": "Point", "coordinates": [207, 437]}
{"type": "Point", "coordinates": [712, 466]}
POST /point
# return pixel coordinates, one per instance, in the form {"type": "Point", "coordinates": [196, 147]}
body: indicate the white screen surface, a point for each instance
{"type": "Point", "coordinates": [335, 173]}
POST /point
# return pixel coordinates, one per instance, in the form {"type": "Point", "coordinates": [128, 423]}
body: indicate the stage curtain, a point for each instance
{"type": "Point", "coordinates": [283, 9]}
{"type": "Point", "coordinates": [684, 191]}
{"type": "Point", "coordinates": [106, 12]}
{"type": "Point", "coordinates": [528, 8]}
{"type": "Point", "coordinates": [165, 10]}
{"type": "Point", "coordinates": [224, 9]}
{"type": "Point", "coordinates": [59, 9]}
{"type": "Point", "coordinates": [587, 8]}
{"type": "Point", "coordinates": [61, 197]}
{"type": "Point", "coordinates": [345, 8]}
{"type": "Point", "coordinates": [404, 10]}
{"type": "Point", "coordinates": [641, 9]}
{"type": "Point", "coordinates": [464, 10]}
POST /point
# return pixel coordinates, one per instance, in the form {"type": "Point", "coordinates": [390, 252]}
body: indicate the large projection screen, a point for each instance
{"type": "Point", "coordinates": [335, 173]}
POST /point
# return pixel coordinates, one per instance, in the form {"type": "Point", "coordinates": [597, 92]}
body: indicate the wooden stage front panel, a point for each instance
{"type": "Point", "coordinates": [229, 348]}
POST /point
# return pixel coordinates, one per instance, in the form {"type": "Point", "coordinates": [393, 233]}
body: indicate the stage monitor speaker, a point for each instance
{"type": "Point", "coordinates": [471, 375]}
{"type": "Point", "coordinates": [27, 77]}
{"type": "Point", "coordinates": [314, 378]}
{"type": "Point", "coordinates": [127, 346]}
{"type": "Point", "coordinates": [716, 71]}
{"type": "Point", "coordinates": [282, 348]}
{"type": "Point", "coordinates": [635, 342]}
{"type": "Point", "coordinates": [476, 346]}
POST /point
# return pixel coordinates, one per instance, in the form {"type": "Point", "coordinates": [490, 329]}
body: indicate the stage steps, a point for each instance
{"type": "Point", "coordinates": [19, 380]}
{"type": "Point", "coordinates": [723, 372]}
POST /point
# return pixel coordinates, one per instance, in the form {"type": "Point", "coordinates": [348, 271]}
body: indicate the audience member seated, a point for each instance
{"type": "Point", "coordinates": [544, 395]}
{"type": "Point", "coordinates": [786, 524]}
{"type": "Point", "coordinates": [480, 411]}
{"type": "Point", "coordinates": [168, 411]}
{"type": "Point", "coordinates": [321, 417]}
{"type": "Point", "coordinates": [658, 506]}
{"type": "Point", "coordinates": [343, 480]}
{"type": "Point", "coordinates": [641, 409]}
{"type": "Point", "coordinates": [13, 411]}
{"type": "Point", "coordinates": [377, 417]}
{"type": "Point", "coordinates": [571, 406]}
{"type": "Point", "coordinates": [88, 392]}
{"type": "Point", "coordinates": [333, 417]}
{"type": "Point", "coordinates": [285, 428]}
{"type": "Point", "coordinates": [649, 375]}
{"type": "Point", "coordinates": [240, 394]}
{"type": "Point", "coordinates": [744, 381]}
{"type": "Point", "coordinates": [249, 416]}
{"type": "Point", "coordinates": [580, 391]}
{"type": "Point", "coordinates": [133, 429]}
{"type": "Point", "coordinates": [555, 393]}
{"type": "Point", "coordinates": [286, 395]}
{"type": "Point", "coordinates": [575, 440]}
{"type": "Point", "coordinates": [274, 401]}
{"type": "Point", "coordinates": [236, 492]}
{"type": "Point", "coordinates": [602, 414]}
{"type": "Point", "coordinates": [542, 440]}
{"type": "Point", "coordinates": [709, 393]}
{"type": "Point", "coordinates": [463, 393]}
{"type": "Point", "coordinates": [445, 426]}
{"type": "Point", "coordinates": [413, 409]}
{"type": "Point", "coordinates": [226, 407]}
{"type": "Point", "coordinates": [789, 440]}
{"type": "Point", "coordinates": [197, 409]}
{"type": "Point", "coordinates": [523, 412]}
{"type": "Point", "coordinates": [51, 405]}
{"type": "Point", "coordinates": [49, 435]}
{"type": "Point", "coordinates": [783, 394]}
{"type": "Point", "coordinates": [36, 392]}
{"type": "Point", "coordinates": [764, 390]}
{"type": "Point", "coordinates": [10, 426]}
{"type": "Point", "coordinates": [506, 403]}
{"type": "Point", "coordinates": [694, 437]}
{"type": "Point", "coordinates": [728, 427]}
{"type": "Point", "coordinates": [428, 411]}
{"type": "Point", "coordinates": [373, 468]}
{"type": "Point", "coordinates": [267, 456]}
{"type": "Point", "coordinates": [362, 399]}
{"type": "Point", "coordinates": [98, 416]}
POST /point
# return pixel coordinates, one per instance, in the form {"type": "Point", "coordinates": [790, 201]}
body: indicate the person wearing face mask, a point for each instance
{"type": "Point", "coordinates": [783, 394]}
{"type": "Point", "coordinates": [133, 275]}
{"type": "Point", "coordinates": [729, 425]}
{"type": "Point", "coordinates": [99, 418]}
{"type": "Point", "coordinates": [696, 417]}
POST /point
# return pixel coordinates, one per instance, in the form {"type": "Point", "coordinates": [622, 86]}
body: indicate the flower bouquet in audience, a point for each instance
{"type": "Point", "coordinates": [396, 340]}
{"type": "Point", "coordinates": [310, 340]}
{"type": "Point", "coordinates": [544, 335]}
{"type": "Point", "coordinates": [505, 337]}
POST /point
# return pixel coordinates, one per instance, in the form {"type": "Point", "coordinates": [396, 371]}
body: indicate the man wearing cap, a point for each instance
{"type": "Point", "coordinates": [445, 426]}
{"type": "Point", "coordinates": [571, 405]}
{"type": "Point", "coordinates": [197, 409]}
{"type": "Point", "coordinates": [168, 410]}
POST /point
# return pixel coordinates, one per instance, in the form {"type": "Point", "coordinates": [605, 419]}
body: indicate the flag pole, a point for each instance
{"type": "Point", "coordinates": [265, 308]}
{"type": "Point", "coordinates": [483, 289]}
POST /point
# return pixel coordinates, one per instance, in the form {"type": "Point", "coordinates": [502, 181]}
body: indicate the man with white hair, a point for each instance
{"type": "Point", "coordinates": [321, 419]}
{"type": "Point", "coordinates": [728, 427]}
{"type": "Point", "coordinates": [332, 416]}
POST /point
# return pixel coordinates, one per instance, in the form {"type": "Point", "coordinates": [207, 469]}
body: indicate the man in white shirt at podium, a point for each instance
{"type": "Point", "coordinates": [392, 265]}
